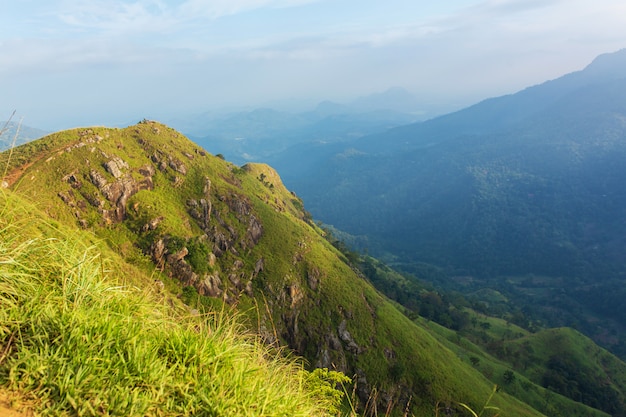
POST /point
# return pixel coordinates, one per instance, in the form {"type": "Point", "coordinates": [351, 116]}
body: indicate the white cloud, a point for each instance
{"type": "Point", "coordinates": [251, 50]}
{"type": "Point", "coordinates": [510, 7]}
{"type": "Point", "coordinates": [156, 16]}
{"type": "Point", "coordinates": [193, 9]}
{"type": "Point", "coordinates": [119, 17]}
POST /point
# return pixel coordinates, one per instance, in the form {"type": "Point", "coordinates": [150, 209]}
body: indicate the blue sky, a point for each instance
{"type": "Point", "coordinates": [65, 63]}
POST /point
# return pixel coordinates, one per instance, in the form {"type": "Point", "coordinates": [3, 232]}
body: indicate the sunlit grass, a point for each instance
{"type": "Point", "coordinates": [83, 345]}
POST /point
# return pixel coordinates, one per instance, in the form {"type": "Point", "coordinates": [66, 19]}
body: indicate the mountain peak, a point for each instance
{"type": "Point", "coordinates": [608, 65]}
{"type": "Point", "coordinates": [395, 99]}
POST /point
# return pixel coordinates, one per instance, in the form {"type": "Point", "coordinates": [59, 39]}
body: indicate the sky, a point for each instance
{"type": "Point", "coordinates": [69, 63]}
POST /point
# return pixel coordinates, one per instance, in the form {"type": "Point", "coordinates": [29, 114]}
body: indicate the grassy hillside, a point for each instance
{"type": "Point", "coordinates": [531, 368]}
{"type": "Point", "coordinates": [218, 237]}
{"type": "Point", "coordinates": [80, 336]}
{"type": "Point", "coordinates": [554, 370]}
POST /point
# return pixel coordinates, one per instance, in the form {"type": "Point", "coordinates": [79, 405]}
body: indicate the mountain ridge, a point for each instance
{"type": "Point", "coordinates": [494, 114]}
{"type": "Point", "coordinates": [218, 235]}
{"type": "Point", "coordinates": [14, 133]}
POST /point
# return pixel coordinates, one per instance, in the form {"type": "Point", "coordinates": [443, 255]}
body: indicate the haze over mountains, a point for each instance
{"type": "Point", "coordinates": [15, 133]}
{"type": "Point", "coordinates": [525, 185]}
{"type": "Point", "coordinates": [262, 133]}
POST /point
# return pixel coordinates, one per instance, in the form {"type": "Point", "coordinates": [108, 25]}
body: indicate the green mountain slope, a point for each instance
{"type": "Point", "coordinates": [84, 333]}
{"type": "Point", "coordinates": [553, 370]}
{"type": "Point", "coordinates": [219, 236]}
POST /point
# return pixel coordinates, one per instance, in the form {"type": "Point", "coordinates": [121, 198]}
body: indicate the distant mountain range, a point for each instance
{"type": "Point", "coordinates": [16, 134]}
{"type": "Point", "coordinates": [261, 133]}
{"type": "Point", "coordinates": [517, 187]}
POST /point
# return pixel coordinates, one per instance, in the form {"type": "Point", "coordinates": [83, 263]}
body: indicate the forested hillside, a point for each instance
{"type": "Point", "coordinates": [521, 193]}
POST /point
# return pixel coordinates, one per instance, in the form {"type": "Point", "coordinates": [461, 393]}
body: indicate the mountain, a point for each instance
{"type": "Point", "coordinates": [395, 99]}
{"type": "Point", "coordinates": [219, 238]}
{"type": "Point", "coordinates": [263, 133]}
{"type": "Point", "coordinates": [12, 133]}
{"type": "Point", "coordinates": [521, 193]}
{"type": "Point", "coordinates": [83, 332]}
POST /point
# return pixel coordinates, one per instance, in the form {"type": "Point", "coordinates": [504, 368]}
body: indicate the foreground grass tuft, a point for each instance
{"type": "Point", "coordinates": [83, 345]}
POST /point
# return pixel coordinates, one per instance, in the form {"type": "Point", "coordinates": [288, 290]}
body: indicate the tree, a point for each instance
{"type": "Point", "coordinates": [509, 376]}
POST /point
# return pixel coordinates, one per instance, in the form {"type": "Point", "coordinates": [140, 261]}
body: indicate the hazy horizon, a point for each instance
{"type": "Point", "coordinates": [66, 63]}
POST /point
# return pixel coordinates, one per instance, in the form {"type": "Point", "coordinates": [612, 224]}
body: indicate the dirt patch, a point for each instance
{"type": "Point", "coordinates": [11, 405]}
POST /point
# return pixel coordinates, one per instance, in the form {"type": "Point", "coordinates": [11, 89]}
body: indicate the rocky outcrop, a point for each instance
{"type": "Point", "coordinates": [225, 236]}
{"type": "Point", "coordinates": [163, 161]}
{"type": "Point", "coordinates": [177, 165]}
{"type": "Point", "coordinates": [313, 277]}
{"type": "Point", "coordinates": [242, 208]}
{"type": "Point", "coordinates": [174, 263]}
{"type": "Point", "coordinates": [346, 337]}
{"type": "Point", "coordinates": [152, 224]}
{"type": "Point", "coordinates": [210, 286]}
{"type": "Point", "coordinates": [116, 167]}
{"type": "Point", "coordinates": [200, 209]}
{"type": "Point", "coordinates": [121, 189]}
{"type": "Point", "coordinates": [295, 294]}
{"type": "Point", "coordinates": [116, 192]}
{"type": "Point", "coordinates": [331, 353]}
{"type": "Point", "coordinates": [254, 231]}
{"type": "Point", "coordinates": [78, 206]}
{"type": "Point", "coordinates": [227, 219]}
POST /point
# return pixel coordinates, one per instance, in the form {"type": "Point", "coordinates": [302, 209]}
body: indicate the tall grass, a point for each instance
{"type": "Point", "coordinates": [82, 345]}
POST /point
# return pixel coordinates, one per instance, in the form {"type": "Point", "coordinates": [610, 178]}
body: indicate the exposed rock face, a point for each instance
{"type": "Point", "coordinates": [313, 277]}
{"type": "Point", "coordinates": [97, 179]}
{"type": "Point", "coordinates": [207, 285]}
{"type": "Point", "coordinates": [116, 167]}
{"type": "Point", "coordinates": [73, 180]}
{"type": "Point", "coordinates": [210, 286]}
{"type": "Point", "coordinates": [163, 161]}
{"type": "Point", "coordinates": [200, 209]}
{"type": "Point", "coordinates": [331, 353]}
{"type": "Point", "coordinates": [258, 267]}
{"type": "Point", "coordinates": [152, 224]}
{"type": "Point", "coordinates": [177, 165]}
{"type": "Point", "coordinates": [182, 271]}
{"type": "Point", "coordinates": [346, 337]}
{"type": "Point", "coordinates": [147, 170]}
{"type": "Point", "coordinates": [119, 191]}
{"type": "Point", "coordinates": [296, 295]}
{"type": "Point", "coordinates": [226, 217]}
{"type": "Point", "coordinates": [255, 230]}
{"type": "Point", "coordinates": [157, 158]}
{"type": "Point", "coordinates": [225, 238]}
{"type": "Point", "coordinates": [243, 210]}
{"type": "Point", "coordinates": [157, 250]}
{"type": "Point", "coordinates": [178, 256]}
